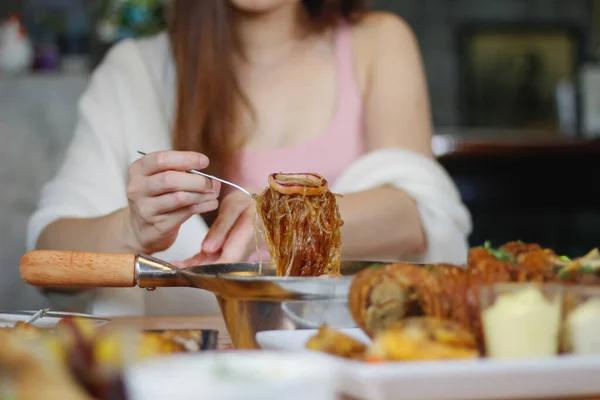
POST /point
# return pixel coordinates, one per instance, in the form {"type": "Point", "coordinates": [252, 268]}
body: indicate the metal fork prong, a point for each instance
{"type": "Point", "coordinates": [194, 171]}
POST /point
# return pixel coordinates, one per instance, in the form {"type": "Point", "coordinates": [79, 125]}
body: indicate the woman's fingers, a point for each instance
{"type": "Point", "coordinates": [215, 238]}
{"type": "Point", "coordinates": [154, 163]}
{"type": "Point", "coordinates": [162, 196]}
{"type": "Point", "coordinates": [174, 181]}
{"type": "Point", "coordinates": [199, 259]}
{"type": "Point", "coordinates": [174, 201]}
{"type": "Point", "coordinates": [232, 209]}
{"type": "Point", "coordinates": [238, 246]}
{"type": "Point", "coordinates": [167, 221]}
{"type": "Point", "coordinates": [240, 242]}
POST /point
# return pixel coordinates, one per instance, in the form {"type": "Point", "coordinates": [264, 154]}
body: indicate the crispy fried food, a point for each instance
{"type": "Point", "coordinates": [378, 297]}
{"type": "Point", "coordinates": [331, 341]}
{"type": "Point", "coordinates": [423, 338]}
{"type": "Point", "coordinates": [533, 263]}
{"type": "Point", "coordinates": [583, 270]}
{"type": "Point", "coordinates": [383, 294]}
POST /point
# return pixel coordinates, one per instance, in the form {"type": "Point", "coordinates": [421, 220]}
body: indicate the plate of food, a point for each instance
{"type": "Point", "coordinates": [517, 321]}
{"type": "Point", "coordinates": [233, 376]}
{"type": "Point", "coordinates": [49, 319]}
{"type": "Point", "coordinates": [297, 340]}
{"type": "Point", "coordinates": [78, 359]}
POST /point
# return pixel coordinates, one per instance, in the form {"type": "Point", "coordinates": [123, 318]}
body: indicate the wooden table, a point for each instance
{"type": "Point", "coordinates": [224, 343]}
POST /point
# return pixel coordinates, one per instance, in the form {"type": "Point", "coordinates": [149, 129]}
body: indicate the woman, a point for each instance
{"type": "Point", "coordinates": [243, 88]}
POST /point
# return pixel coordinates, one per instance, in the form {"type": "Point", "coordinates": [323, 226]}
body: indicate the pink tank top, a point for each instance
{"type": "Point", "coordinates": [328, 154]}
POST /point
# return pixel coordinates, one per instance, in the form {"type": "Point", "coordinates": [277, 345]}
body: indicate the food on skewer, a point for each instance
{"type": "Point", "coordinates": [301, 224]}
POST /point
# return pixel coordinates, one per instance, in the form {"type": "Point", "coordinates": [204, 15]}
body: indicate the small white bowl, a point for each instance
{"type": "Point", "coordinates": [238, 375]}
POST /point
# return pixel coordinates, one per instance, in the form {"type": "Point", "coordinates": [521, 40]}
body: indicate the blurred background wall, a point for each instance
{"type": "Point", "coordinates": [514, 90]}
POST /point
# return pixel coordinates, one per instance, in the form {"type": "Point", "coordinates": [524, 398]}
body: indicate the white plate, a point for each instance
{"type": "Point", "coordinates": [466, 380]}
{"type": "Point", "coordinates": [241, 375]}
{"type": "Point", "coordinates": [9, 318]}
{"type": "Point", "coordinates": [294, 340]}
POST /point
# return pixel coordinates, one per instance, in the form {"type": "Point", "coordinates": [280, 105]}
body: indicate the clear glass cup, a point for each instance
{"type": "Point", "coordinates": [581, 324]}
{"type": "Point", "coordinates": [521, 320]}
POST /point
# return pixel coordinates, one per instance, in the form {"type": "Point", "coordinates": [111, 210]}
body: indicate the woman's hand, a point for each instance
{"type": "Point", "coordinates": [231, 238]}
{"type": "Point", "coordinates": [162, 196]}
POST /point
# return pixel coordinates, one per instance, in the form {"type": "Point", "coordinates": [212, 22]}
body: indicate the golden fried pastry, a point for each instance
{"type": "Point", "coordinates": [422, 338]}
{"type": "Point", "coordinates": [331, 341]}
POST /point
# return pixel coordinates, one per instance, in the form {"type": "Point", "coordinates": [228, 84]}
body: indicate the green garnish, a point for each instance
{"type": "Point", "coordinates": [375, 266]}
{"type": "Point", "coordinates": [586, 269]}
{"type": "Point", "coordinates": [564, 258]}
{"type": "Point", "coordinates": [497, 253]}
{"type": "Point", "coordinates": [564, 273]}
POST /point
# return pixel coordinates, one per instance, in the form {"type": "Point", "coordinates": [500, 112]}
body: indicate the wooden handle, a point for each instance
{"type": "Point", "coordinates": [70, 269]}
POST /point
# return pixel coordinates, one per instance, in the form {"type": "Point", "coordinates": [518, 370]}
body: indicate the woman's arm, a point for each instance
{"type": "Point", "coordinates": [380, 224]}
{"type": "Point", "coordinates": [161, 196]}
{"type": "Point", "coordinates": [84, 206]}
{"type": "Point", "coordinates": [384, 222]}
{"type": "Point", "coordinates": [109, 234]}
{"type": "Point", "coordinates": [98, 201]}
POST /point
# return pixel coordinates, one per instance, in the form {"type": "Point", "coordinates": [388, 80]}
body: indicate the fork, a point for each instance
{"type": "Point", "coordinates": [195, 171]}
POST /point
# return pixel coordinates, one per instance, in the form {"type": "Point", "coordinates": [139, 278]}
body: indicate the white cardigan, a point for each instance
{"type": "Point", "coordinates": [128, 106]}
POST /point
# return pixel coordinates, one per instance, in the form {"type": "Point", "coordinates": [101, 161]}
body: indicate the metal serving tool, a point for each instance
{"type": "Point", "coordinates": [37, 315]}
{"type": "Point", "coordinates": [194, 171]}
{"type": "Point", "coordinates": [251, 296]}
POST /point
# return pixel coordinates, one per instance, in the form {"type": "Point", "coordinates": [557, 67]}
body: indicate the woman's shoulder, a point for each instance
{"type": "Point", "coordinates": [144, 61]}
{"type": "Point", "coordinates": [376, 31]}
{"type": "Point", "coordinates": [151, 49]}
{"type": "Point", "coordinates": [375, 37]}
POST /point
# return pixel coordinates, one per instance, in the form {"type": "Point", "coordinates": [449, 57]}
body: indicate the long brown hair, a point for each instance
{"type": "Point", "coordinates": [209, 98]}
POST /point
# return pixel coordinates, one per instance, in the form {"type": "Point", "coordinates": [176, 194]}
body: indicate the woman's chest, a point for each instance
{"type": "Point", "coordinates": [328, 155]}
{"type": "Point", "coordinates": [308, 119]}
{"type": "Point", "coordinates": [291, 103]}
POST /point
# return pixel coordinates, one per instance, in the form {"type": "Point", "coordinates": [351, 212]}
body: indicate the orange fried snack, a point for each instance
{"type": "Point", "coordinates": [331, 341]}
{"type": "Point", "coordinates": [423, 338]}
